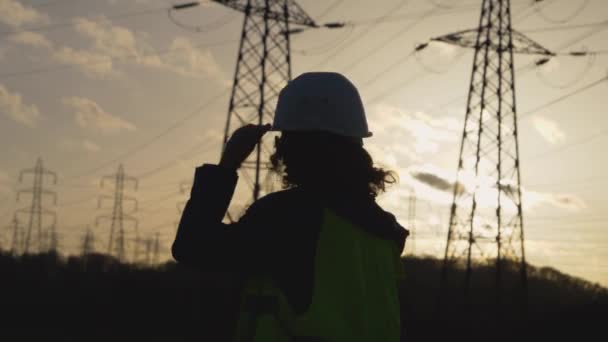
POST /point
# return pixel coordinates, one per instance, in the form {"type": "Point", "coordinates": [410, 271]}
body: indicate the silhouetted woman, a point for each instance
{"type": "Point", "coordinates": [321, 259]}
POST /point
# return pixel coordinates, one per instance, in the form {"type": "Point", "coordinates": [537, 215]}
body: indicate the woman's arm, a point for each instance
{"type": "Point", "coordinates": [202, 239]}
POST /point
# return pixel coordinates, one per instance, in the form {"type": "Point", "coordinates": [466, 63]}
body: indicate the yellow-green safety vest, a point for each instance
{"type": "Point", "coordinates": [354, 298]}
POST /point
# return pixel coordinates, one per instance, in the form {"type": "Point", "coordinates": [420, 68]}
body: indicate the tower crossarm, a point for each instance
{"type": "Point", "coordinates": [103, 198]}
{"type": "Point", "coordinates": [132, 219]}
{"type": "Point", "coordinates": [38, 169]}
{"type": "Point", "coordinates": [42, 193]}
{"type": "Point", "coordinates": [101, 218]}
{"type": "Point", "coordinates": [134, 181]}
{"type": "Point", "coordinates": [110, 178]}
{"type": "Point", "coordinates": [521, 43]}
{"type": "Point", "coordinates": [50, 193]}
{"type": "Point", "coordinates": [51, 214]}
{"type": "Point", "coordinates": [294, 15]}
{"type": "Point", "coordinates": [132, 200]}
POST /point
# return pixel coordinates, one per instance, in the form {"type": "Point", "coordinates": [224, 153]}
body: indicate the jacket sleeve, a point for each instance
{"type": "Point", "coordinates": [205, 242]}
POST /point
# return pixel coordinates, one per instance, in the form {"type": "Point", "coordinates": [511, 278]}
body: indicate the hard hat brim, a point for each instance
{"type": "Point", "coordinates": [278, 129]}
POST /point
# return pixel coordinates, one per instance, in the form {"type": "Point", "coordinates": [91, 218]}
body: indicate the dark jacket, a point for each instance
{"type": "Point", "coordinates": [276, 236]}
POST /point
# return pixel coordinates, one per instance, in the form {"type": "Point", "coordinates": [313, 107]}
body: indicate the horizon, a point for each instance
{"type": "Point", "coordinates": [92, 85]}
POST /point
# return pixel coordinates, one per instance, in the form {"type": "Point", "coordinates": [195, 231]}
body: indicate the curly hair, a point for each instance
{"type": "Point", "coordinates": [328, 161]}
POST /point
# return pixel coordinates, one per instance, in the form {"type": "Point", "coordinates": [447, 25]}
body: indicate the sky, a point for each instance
{"type": "Point", "coordinates": [88, 85]}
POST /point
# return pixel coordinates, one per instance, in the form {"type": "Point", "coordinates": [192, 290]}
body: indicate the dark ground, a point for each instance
{"type": "Point", "coordinates": [51, 298]}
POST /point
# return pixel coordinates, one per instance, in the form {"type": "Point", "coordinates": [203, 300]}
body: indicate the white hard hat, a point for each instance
{"type": "Point", "coordinates": [321, 101]}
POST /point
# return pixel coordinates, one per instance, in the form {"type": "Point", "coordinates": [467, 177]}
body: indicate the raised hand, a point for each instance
{"type": "Point", "coordinates": [241, 144]}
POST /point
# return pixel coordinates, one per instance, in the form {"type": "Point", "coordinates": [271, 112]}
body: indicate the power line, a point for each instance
{"type": "Point", "coordinates": [156, 137]}
{"type": "Point", "coordinates": [564, 28]}
{"type": "Point", "coordinates": [586, 181]}
{"type": "Point", "coordinates": [360, 36]}
{"type": "Point", "coordinates": [574, 14]}
{"type": "Point", "coordinates": [522, 71]}
{"type": "Point", "coordinates": [330, 8]}
{"type": "Point", "coordinates": [324, 47]}
{"type": "Point", "coordinates": [204, 146]}
{"type": "Point", "coordinates": [593, 84]}
{"type": "Point", "coordinates": [407, 16]}
{"type": "Point", "coordinates": [396, 35]}
{"type": "Point", "coordinates": [201, 28]}
{"type": "Point", "coordinates": [414, 78]}
{"type": "Point", "coordinates": [575, 143]}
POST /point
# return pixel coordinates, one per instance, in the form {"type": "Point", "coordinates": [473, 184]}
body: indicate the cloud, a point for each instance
{"type": "Point", "coordinates": [109, 42]}
{"type": "Point", "coordinates": [90, 146]}
{"type": "Point", "coordinates": [11, 104]}
{"type": "Point", "coordinates": [562, 201]}
{"type": "Point", "coordinates": [109, 39]}
{"type": "Point", "coordinates": [444, 49]}
{"type": "Point", "coordinates": [15, 14]}
{"type": "Point", "coordinates": [425, 132]}
{"type": "Point", "coordinates": [32, 39]}
{"type": "Point", "coordinates": [79, 145]}
{"type": "Point", "coordinates": [188, 60]}
{"type": "Point", "coordinates": [429, 180]}
{"type": "Point", "coordinates": [92, 64]}
{"type": "Point", "coordinates": [548, 129]}
{"type": "Point", "coordinates": [437, 182]}
{"type": "Point", "coordinates": [551, 66]}
{"type": "Point", "coordinates": [89, 114]}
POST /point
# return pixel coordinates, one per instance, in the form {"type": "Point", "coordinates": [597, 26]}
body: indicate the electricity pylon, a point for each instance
{"type": "Point", "coordinates": [486, 219]}
{"type": "Point", "coordinates": [34, 239]}
{"type": "Point", "coordinates": [117, 241]}
{"type": "Point", "coordinates": [263, 68]}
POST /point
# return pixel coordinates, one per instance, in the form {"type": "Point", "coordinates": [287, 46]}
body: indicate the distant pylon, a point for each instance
{"type": "Point", "coordinates": [263, 68]}
{"type": "Point", "coordinates": [88, 243]}
{"type": "Point", "coordinates": [486, 219]}
{"type": "Point", "coordinates": [137, 241]}
{"type": "Point", "coordinates": [411, 219]}
{"type": "Point", "coordinates": [35, 233]}
{"type": "Point", "coordinates": [53, 240]}
{"type": "Point", "coordinates": [150, 245]}
{"type": "Point", "coordinates": [16, 236]}
{"type": "Point", "coordinates": [117, 240]}
{"type": "Point", "coordinates": [156, 249]}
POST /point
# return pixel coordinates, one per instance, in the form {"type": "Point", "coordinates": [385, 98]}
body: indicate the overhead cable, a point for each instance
{"type": "Point", "coordinates": [195, 112]}
{"type": "Point", "coordinates": [561, 98]}
{"type": "Point", "coordinates": [574, 14]}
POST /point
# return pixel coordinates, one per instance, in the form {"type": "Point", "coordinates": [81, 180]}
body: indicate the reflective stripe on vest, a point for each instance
{"type": "Point", "coordinates": [355, 295]}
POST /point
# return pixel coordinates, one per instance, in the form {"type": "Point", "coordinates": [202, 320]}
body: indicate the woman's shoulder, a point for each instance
{"type": "Point", "coordinates": [287, 198]}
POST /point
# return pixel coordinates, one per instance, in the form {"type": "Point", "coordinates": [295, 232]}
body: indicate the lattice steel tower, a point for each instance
{"type": "Point", "coordinates": [117, 241]}
{"type": "Point", "coordinates": [486, 219]}
{"type": "Point", "coordinates": [88, 243]}
{"type": "Point", "coordinates": [36, 236]}
{"type": "Point", "coordinates": [263, 68]}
